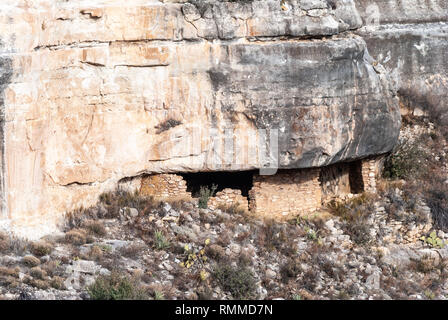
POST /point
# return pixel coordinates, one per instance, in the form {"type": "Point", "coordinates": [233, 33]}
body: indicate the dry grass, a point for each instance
{"type": "Point", "coordinates": [38, 273]}
{"type": "Point", "coordinates": [235, 208]}
{"type": "Point", "coordinates": [41, 248]}
{"type": "Point", "coordinates": [11, 272]}
{"type": "Point", "coordinates": [115, 200]}
{"type": "Point", "coordinates": [31, 261]}
{"type": "Point", "coordinates": [37, 283]}
{"type": "Point", "coordinates": [76, 237]}
{"type": "Point", "coordinates": [57, 283]}
{"type": "Point", "coordinates": [96, 228]}
{"type": "Point", "coordinates": [133, 251]}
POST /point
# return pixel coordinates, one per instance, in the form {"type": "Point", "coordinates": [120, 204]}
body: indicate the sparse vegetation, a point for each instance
{"type": "Point", "coordinates": [161, 243]}
{"type": "Point", "coordinates": [239, 282]}
{"type": "Point", "coordinates": [76, 237]}
{"type": "Point", "coordinates": [290, 270]}
{"type": "Point", "coordinates": [31, 261]}
{"type": "Point", "coordinates": [406, 162]}
{"type": "Point", "coordinates": [355, 214]}
{"type": "Point", "coordinates": [41, 248]}
{"type": "Point", "coordinates": [134, 250]}
{"type": "Point", "coordinates": [95, 228]}
{"type": "Point", "coordinates": [204, 194]}
{"type": "Point", "coordinates": [120, 198]}
{"type": "Point", "coordinates": [116, 286]}
{"type": "Point", "coordinates": [235, 208]}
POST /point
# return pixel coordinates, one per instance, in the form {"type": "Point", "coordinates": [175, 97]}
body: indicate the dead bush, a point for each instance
{"type": "Point", "coordinates": [76, 237]}
{"type": "Point", "coordinates": [290, 270]}
{"type": "Point", "coordinates": [12, 272]}
{"type": "Point", "coordinates": [95, 253]}
{"type": "Point", "coordinates": [38, 273]}
{"type": "Point", "coordinates": [215, 252]}
{"type": "Point", "coordinates": [235, 208]}
{"type": "Point", "coordinates": [120, 198]}
{"type": "Point", "coordinates": [354, 214]}
{"type": "Point", "coordinates": [37, 283]}
{"type": "Point", "coordinates": [57, 283]}
{"type": "Point", "coordinates": [41, 248]}
{"type": "Point", "coordinates": [424, 264]}
{"type": "Point", "coordinates": [31, 261]}
{"type": "Point", "coordinates": [51, 267]}
{"type": "Point", "coordinates": [132, 251]}
{"type": "Point", "coordinates": [95, 228]}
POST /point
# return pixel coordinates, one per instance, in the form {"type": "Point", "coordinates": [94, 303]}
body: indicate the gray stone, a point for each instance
{"type": "Point", "coordinates": [373, 281]}
{"type": "Point", "coordinates": [133, 212]}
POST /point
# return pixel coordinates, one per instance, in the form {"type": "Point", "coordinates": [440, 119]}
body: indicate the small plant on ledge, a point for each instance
{"type": "Point", "coordinates": [204, 194]}
{"type": "Point", "coordinates": [433, 240]}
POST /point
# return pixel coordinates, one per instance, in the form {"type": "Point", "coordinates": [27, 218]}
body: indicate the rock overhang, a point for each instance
{"type": "Point", "coordinates": [86, 104]}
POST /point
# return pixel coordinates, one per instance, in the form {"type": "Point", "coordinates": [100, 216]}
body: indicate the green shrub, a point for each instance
{"type": "Point", "coordinates": [204, 194]}
{"type": "Point", "coordinates": [116, 286]}
{"type": "Point", "coordinates": [436, 197]}
{"type": "Point", "coordinates": [240, 282]}
{"type": "Point", "coordinates": [161, 243]}
{"type": "Point", "coordinates": [406, 162]}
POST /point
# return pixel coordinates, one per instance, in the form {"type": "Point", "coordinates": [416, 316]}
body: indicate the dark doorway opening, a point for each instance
{"type": "Point", "coordinates": [355, 175]}
{"type": "Point", "coordinates": [239, 180]}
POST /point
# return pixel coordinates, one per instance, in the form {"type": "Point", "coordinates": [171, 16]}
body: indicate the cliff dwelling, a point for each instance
{"type": "Point", "coordinates": [287, 193]}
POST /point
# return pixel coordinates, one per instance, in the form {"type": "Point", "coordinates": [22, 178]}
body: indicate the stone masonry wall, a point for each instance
{"type": "Point", "coordinates": [286, 193]}
{"type": "Point", "coordinates": [228, 197]}
{"type": "Point", "coordinates": [335, 181]}
{"type": "Point", "coordinates": [289, 192]}
{"type": "Point", "coordinates": [370, 171]}
{"type": "Point", "coordinates": [165, 186]}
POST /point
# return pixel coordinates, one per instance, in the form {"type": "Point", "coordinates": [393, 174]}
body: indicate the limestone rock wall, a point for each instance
{"type": "Point", "coordinates": [94, 92]}
{"type": "Point", "coordinates": [410, 39]}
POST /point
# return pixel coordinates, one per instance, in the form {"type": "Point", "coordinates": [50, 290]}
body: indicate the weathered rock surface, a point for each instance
{"type": "Point", "coordinates": [92, 93]}
{"type": "Point", "coordinates": [410, 39]}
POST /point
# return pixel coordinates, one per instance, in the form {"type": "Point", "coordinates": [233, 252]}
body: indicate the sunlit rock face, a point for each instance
{"type": "Point", "coordinates": [410, 39]}
{"type": "Point", "coordinates": [93, 92]}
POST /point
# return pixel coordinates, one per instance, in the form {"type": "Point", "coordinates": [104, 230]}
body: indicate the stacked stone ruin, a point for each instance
{"type": "Point", "coordinates": [227, 198]}
{"type": "Point", "coordinates": [282, 195]}
{"type": "Point", "coordinates": [165, 186]}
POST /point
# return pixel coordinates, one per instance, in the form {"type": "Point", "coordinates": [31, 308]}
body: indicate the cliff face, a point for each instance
{"type": "Point", "coordinates": [96, 91]}
{"type": "Point", "coordinates": [410, 39]}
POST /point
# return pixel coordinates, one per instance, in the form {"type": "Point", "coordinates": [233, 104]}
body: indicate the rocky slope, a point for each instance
{"type": "Point", "coordinates": [177, 251]}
